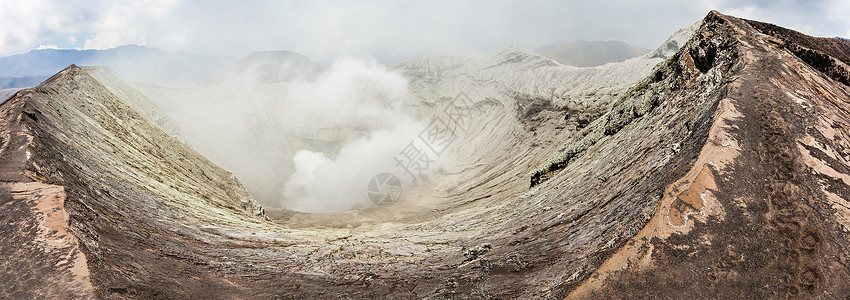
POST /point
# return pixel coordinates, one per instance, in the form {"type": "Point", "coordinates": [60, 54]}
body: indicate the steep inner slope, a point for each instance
{"type": "Point", "coordinates": [512, 98]}
{"type": "Point", "coordinates": [101, 180]}
{"type": "Point", "coordinates": [709, 177]}
{"type": "Point", "coordinates": [143, 205]}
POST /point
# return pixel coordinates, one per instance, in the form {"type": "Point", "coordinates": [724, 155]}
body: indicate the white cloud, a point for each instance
{"type": "Point", "coordinates": [26, 24]}
{"type": "Point", "coordinates": [749, 12]}
{"type": "Point", "coordinates": [389, 30]}
{"type": "Point", "coordinates": [131, 22]}
{"type": "Point", "coordinates": [106, 40]}
{"type": "Point", "coordinates": [48, 46]}
{"type": "Point", "coordinates": [16, 28]}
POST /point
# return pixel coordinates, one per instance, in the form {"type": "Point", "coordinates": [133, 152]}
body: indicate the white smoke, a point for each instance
{"type": "Point", "coordinates": [321, 184]}
{"type": "Point", "coordinates": [352, 94]}
{"type": "Point", "coordinates": [310, 146]}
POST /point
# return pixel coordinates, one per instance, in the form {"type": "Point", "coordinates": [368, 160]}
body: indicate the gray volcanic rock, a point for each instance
{"type": "Point", "coordinates": [720, 172]}
{"type": "Point", "coordinates": [87, 180]}
{"type": "Point", "coordinates": [584, 53]}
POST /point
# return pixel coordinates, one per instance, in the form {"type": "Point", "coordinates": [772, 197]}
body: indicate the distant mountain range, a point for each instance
{"type": "Point", "coordinates": [583, 53]}
{"type": "Point", "coordinates": [133, 63]}
{"type": "Point", "coordinates": [6, 93]}
{"type": "Point", "coordinates": [846, 39]}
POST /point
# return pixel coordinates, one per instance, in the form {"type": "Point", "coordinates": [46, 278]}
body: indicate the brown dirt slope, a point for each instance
{"type": "Point", "coordinates": [773, 220]}
{"type": "Point", "coordinates": [86, 195]}
{"type": "Point", "coordinates": [828, 55]}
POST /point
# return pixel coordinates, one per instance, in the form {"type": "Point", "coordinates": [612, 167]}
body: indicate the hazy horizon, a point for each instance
{"type": "Point", "coordinates": [386, 31]}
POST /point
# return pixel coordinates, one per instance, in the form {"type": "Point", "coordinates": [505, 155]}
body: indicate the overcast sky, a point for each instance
{"type": "Point", "coordinates": [387, 30]}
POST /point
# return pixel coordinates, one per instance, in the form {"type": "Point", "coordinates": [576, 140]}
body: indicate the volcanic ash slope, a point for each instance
{"type": "Point", "coordinates": [721, 172]}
